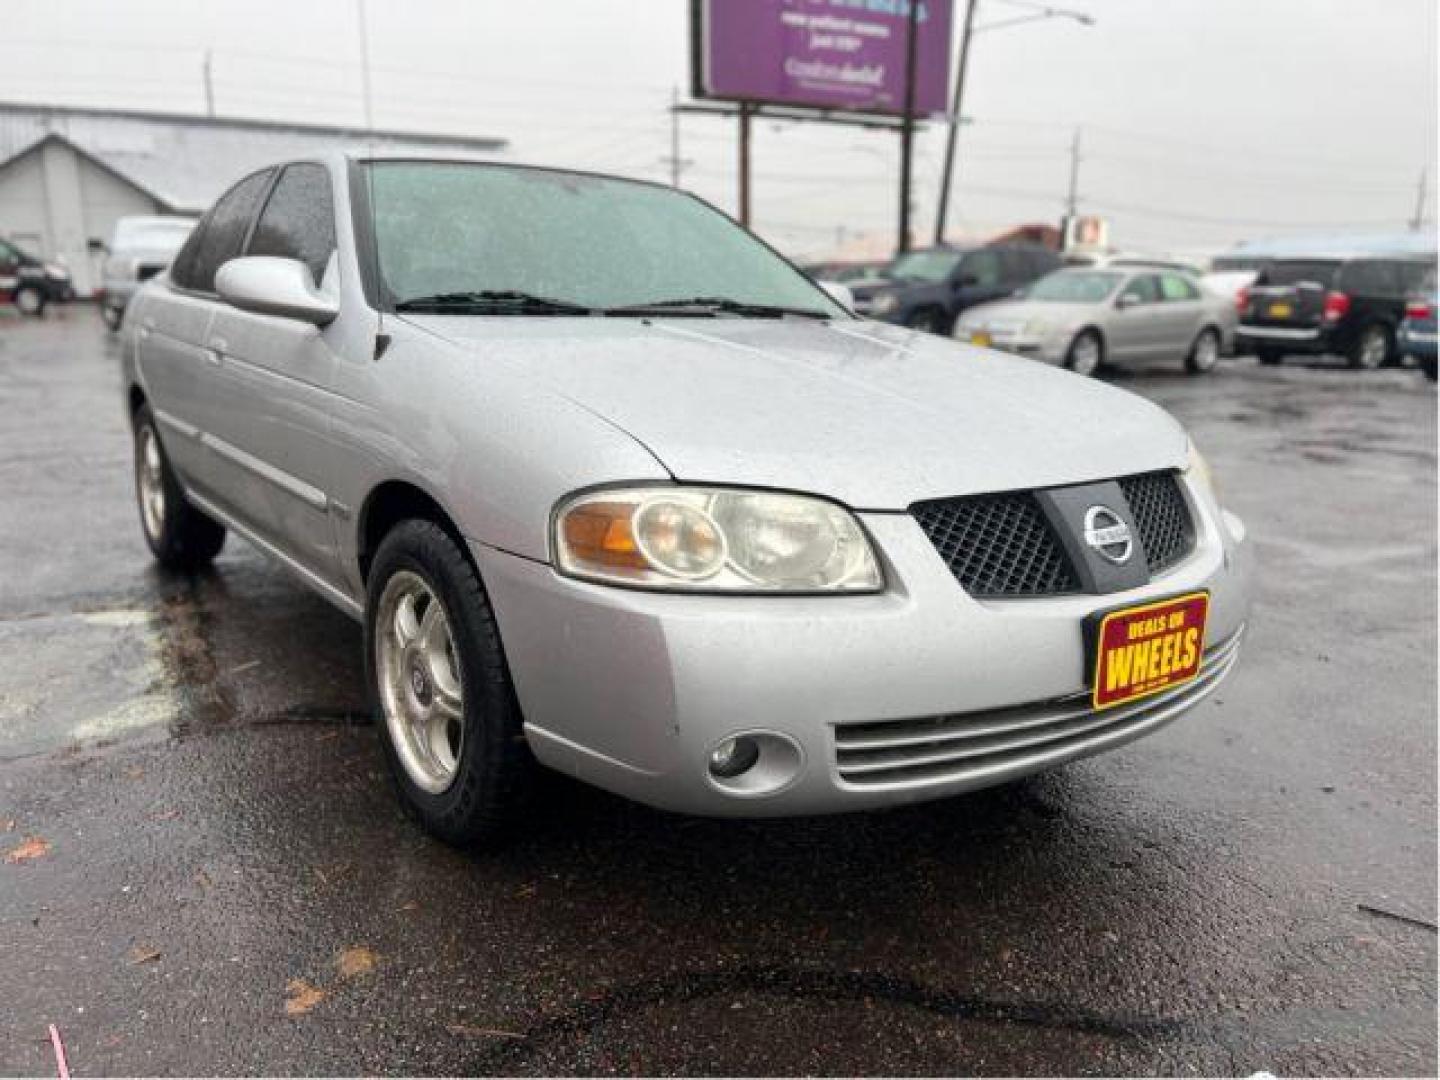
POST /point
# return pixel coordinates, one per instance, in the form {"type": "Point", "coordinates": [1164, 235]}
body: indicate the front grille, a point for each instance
{"type": "Point", "coordinates": [998, 545]}
{"type": "Point", "coordinates": [977, 749]}
{"type": "Point", "coordinates": [1161, 518]}
{"type": "Point", "coordinates": [1004, 547]}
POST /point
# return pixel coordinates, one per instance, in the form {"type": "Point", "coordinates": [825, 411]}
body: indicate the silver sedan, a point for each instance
{"type": "Point", "coordinates": [1084, 318]}
{"type": "Point", "coordinates": [617, 490]}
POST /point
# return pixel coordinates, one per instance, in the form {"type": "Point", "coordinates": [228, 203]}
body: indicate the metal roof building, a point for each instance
{"type": "Point", "coordinates": [67, 174]}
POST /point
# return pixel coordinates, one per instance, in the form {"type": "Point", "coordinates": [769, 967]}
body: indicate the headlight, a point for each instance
{"type": "Point", "coordinates": [1198, 469]}
{"type": "Point", "coordinates": [714, 540]}
{"type": "Point", "coordinates": [885, 303]}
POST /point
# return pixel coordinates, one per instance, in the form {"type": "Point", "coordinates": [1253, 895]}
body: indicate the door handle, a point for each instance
{"type": "Point", "coordinates": [219, 344]}
{"type": "Point", "coordinates": [214, 356]}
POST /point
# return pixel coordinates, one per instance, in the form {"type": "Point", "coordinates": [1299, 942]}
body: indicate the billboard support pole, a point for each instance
{"type": "Point", "coordinates": [907, 128]}
{"type": "Point", "coordinates": [949, 169]}
{"type": "Point", "coordinates": [744, 179]}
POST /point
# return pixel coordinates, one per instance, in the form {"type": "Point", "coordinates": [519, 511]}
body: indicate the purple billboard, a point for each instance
{"type": "Point", "coordinates": [822, 54]}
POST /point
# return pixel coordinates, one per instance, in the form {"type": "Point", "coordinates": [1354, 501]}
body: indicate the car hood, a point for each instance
{"type": "Point", "coordinates": [875, 416]}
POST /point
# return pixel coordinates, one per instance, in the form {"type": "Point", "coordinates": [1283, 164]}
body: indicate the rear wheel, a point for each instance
{"type": "Point", "coordinates": [1085, 354]}
{"type": "Point", "coordinates": [1204, 353]}
{"type": "Point", "coordinates": [30, 299]}
{"type": "Point", "coordinates": [1372, 348]}
{"type": "Point", "coordinates": [180, 537]}
{"type": "Point", "coordinates": [450, 722]}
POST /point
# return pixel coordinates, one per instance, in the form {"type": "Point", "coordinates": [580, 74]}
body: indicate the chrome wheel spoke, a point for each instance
{"type": "Point", "coordinates": [407, 623]}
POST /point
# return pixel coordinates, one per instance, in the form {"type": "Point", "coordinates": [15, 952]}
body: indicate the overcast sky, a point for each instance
{"type": "Point", "coordinates": [1204, 121]}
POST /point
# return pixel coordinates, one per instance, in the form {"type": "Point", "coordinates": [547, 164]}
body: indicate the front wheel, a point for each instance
{"type": "Point", "coordinates": [1371, 349]}
{"type": "Point", "coordinates": [928, 321]}
{"type": "Point", "coordinates": [1086, 353]}
{"type": "Point", "coordinates": [1204, 354]}
{"type": "Point", "coordinates": [179, 536]}
{"type": "Point", "coordinates": [30, 300]}
{"type": "Point", "coordinates": [450, 722]}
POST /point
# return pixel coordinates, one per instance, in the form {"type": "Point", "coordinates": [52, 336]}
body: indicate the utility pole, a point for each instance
{"type": "Point", "coordinates": [209, 86]}
{"type": "Point", "coordinates": [1072, 200]}
{"type": "Point", "coordinates": [907, 129]}
{"type": "Point", "coordinates": [744, 164]}
{"type": "Point", "coordinates": [364, 63]}
{"type": "Point", "coordinates": [949, 169]}
{"type": "Point", "coordinates": [1419, 219]}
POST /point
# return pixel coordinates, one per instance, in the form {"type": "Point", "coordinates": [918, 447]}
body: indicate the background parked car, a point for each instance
{"type": "Point", "coordinates": [1082, 318]}
{"type": "Point", "coordinates": [140, 248]}
{"type": "Point", "coordinates": [931, 287]}
{"type": "Point", "coordinates": [30, 283]}
{"type": "Point", "coordinates": [1346, 305]}
{"type": "Point", "coordinates": [1417, 332]}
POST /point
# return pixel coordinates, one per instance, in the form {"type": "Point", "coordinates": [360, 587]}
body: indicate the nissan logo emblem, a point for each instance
{"type": "Point", "coordinates": [1108, 535]}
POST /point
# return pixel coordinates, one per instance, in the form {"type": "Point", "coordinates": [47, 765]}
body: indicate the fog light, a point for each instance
{"type": "Point", "coordinates": [733, 757]}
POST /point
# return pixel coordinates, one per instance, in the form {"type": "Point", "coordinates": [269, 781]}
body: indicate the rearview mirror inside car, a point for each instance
{"type": "Point", "coordinates": [268, 285]}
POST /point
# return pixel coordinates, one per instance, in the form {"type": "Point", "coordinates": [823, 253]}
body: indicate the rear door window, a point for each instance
{"type": "Point", "coordinates": [298, 221]}
{"type": "Point", "coordinates": [221, 235]}
{"type": "Point", "coordinates": [1301, 272]}
{"type": "Point", "coordinates": [1175, 287]}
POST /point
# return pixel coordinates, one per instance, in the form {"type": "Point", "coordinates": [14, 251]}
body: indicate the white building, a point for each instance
{"type": "Point", "coordinates": [66, 174]}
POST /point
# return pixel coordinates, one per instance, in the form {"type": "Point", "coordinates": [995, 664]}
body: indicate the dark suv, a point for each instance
{"type": "Point", "coordinates": [1350, 306]}
{"type": "Point", "coordinates": [930, 288]}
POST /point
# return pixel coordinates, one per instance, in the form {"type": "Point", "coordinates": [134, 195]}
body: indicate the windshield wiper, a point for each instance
{"type": "Point", "coordinates": [709, 305]}
{"type": "Point", "coordinates": [492, 302]}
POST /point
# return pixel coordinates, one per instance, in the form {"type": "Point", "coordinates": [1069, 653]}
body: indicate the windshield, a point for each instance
{"type": "Point", "coordinates": [933, 265]}
{"type": "Point", "coordinates": [1074, 287]}
{"type": "Point", "coordinates": [450, 229]}
{"type": "Point", "coordinates": [152, 233]}
{"type": "Point", "coordinates": [1300, 272]}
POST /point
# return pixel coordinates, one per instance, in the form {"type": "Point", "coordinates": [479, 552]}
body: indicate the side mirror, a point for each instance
{"type": "Point", "coordinates": [1127, 300]}
{"type": "Point", "coordinates": [841, 294]}
{"type": "Point", "coordinates": [268, 285]}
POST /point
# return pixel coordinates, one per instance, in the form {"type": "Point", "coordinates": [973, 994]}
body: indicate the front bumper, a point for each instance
{"type": "Point", "coordinates": [632, 690]}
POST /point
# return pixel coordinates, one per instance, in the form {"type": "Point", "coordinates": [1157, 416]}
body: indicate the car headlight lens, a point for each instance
{"type": "Point", "coordinates": [714, 540]}
{"type": "Point", "coordinates": [1198, 469]}
{"type": "Point", "coordinates": [885, 303]}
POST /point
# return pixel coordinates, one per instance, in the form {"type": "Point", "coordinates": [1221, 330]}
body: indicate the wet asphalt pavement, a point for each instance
{"type": "Point", "coordinates": [189, 763]}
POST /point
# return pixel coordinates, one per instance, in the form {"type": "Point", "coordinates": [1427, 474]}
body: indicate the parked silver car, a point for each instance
{"type": "Point", "coordinates": [139, 248]}
{"type": "Point", "coordinates": [1083, 318]}
{"type": "Point", "coordinates": [615, 488]}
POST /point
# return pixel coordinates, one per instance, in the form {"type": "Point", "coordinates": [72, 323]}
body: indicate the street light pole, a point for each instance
{"type": "Point", "coordinates": [907, 129]}
{"type": "Point", "coordinates": [364, 63]}
{"type": "Point", "coordinates": [954, 121]}
{"type": "Point", "coordinates": [1039, 11]}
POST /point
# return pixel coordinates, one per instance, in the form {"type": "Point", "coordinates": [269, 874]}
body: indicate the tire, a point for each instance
{"type": "Point", "coordinates": [928, 321]}
{"type": "Point", "coordinates": [1427, 365]}
{"type": "Point", "coordinates": [1270, 357]}
{"type": "Point", "coordinates": [1204, 353]}
{"type": "Point", "coordinates": [179, 536]}
{"type": "Point", "coordinates": [1373, 347]}
{"type": "Point", "coordinates": [31, 300]}
{"type": "Point", "coordinates": [448, 719]}
{"type": "Point", "coordinates": [112, 316]}
{"type": "Point", "coordinates": [1086, 353]}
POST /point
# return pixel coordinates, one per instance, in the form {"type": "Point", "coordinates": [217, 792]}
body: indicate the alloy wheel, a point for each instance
{"type": "Point", "coordinates": [419, 682]}
{"type": "Point", "coordinates": [150, 483]}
